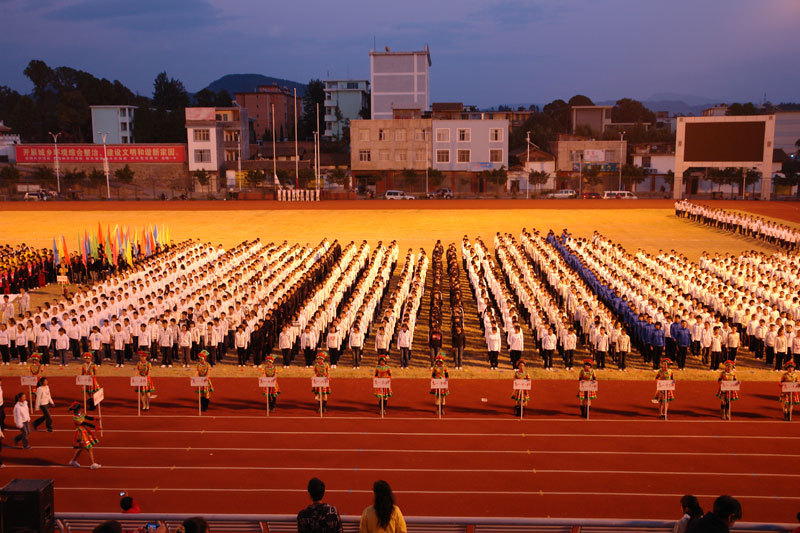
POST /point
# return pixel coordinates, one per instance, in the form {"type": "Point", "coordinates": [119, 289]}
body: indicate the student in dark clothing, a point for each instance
{"type": "Point", "coordinates": [727, 510]}
{"type": "Point", "coordinates": [318, 517]}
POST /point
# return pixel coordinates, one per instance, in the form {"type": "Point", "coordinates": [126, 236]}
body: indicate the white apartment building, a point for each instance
{"type": "Point", "coordinates": [215, 136]}
{"type": "Point", "coordinates": [399, 80]}
{"type": "Point", "coordinates": [116, 121]}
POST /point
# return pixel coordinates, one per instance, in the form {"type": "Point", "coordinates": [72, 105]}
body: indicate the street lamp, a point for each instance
{"type": "Point", "coordinates": [528, 160]}
{"type": "Point", "coordinates": [621, 135]}
{"type": "Point", "coordinates": [55, 142]}
{"type": "Point", "coordinates": [104, 134]}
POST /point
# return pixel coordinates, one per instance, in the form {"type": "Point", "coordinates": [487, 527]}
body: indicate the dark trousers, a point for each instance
{"type": "Point", "coordinates": [45, 351]}
{"type": "Point", "coordinates": [286, 356]}
{"type": "Point", "coordinates": [5, 352]}
{"type": "Point", "coordinates": [516, 355]}
{"type": "Point", "coordinates": [308, 353]}
{"type": "Point", "coordinates": [681, 356]}
{"type": "Point", "coordinates": [656, 353]}
{"type": "Point", "coordinates": [241, 353]}
{"type": "Point", "coordinates": [780, 357]}
{"type": "Point", "coordinates": [75, 347]}
{"type": "Point", "coordinates": [22, 353]}
{"type": "Point", "coordinates": [770, 353]}
{"type": "Point", "coordinates": [732, 353]}
{"type": "Point", "coordinates": [120, 356]}
{"type": "Point", "coordinates": [356, 356]}
{"type": "Point", "coordinates": [621, 360]}
{"type": "Point", "coordinates": [601, 359]}
{"type": "Point", "coordinates": [569, 355]}
{"type": "Point", "coordinates": [458, 354]}
{"type": "Point", "coordinates": [166, 355]}
{"type": "Point", "coordinates": [334, 353]}
{"type": "Point", "coordinates": [716, 360]}
{"type": "Point", "coordinates": [24, 431]}
{"type": "Point", "coordinates": [547, 355]}
{"type": "Point", "coordinates": [46, 418]}
{"type": "Point", "coordinates": [405, 356]}
{"type": "Point", "coordinates": [493, 359]}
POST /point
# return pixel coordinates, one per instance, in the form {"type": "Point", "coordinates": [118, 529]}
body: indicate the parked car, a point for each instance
{"type": "Point", "coordinates": [591, 195]}
{"type": "Point", "coordinates": [397, 195]}
{"type": "Point", "coordinates": [444, 193]}
{"type": "Point", "coordinates": [619, 195]}
{"type": "Point", "coordinates": [563, 193]}
{"type": "Point", "coordinates": [37, 196]}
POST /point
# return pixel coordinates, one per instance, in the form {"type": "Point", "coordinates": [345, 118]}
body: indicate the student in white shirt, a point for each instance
{"type": "Point", "coordinates": [44, 401]}
{"type": "Point", "coordinates": [404, 345]}
{"type": "Point", "coordinates": [62, 345]}
{"type": "Point", "coordinates": [493, 344]}
{"type": "Point", "coordinates": [43, 343]}
{"type": "Point", "coordinates": [285, 345]}
{"type": "Point", "coordinates": [623, 347]}
{"type": "Point", "coordinates": [515, 345]}
{"type": "Point", "coordinates": [5, 342]}
{"type": "Point", "coordinates": [570, 344]}
{"type": "Point", "coordinates": [356, 342]}
{"type": "Point", "coordinates": [118, 341]}
{"type": "Point", "coordinates": [184, 345]}
{"type": "Point", "coordinates": [22, 419]}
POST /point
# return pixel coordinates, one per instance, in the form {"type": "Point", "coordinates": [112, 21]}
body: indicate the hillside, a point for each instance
{"type": "Point", "coordinates": [234, 83]}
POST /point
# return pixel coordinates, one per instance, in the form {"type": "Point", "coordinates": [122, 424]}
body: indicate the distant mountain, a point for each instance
{"type": "Point", "coordinates": [239, 83]}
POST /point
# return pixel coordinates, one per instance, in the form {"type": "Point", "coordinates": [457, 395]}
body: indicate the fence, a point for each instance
{"type": "Point", "coordinates": [233, 523]}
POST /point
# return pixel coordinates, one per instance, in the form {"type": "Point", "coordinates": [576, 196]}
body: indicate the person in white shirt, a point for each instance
{"type": "Point", "coordinates": [22, 419]}
{"type": "Point", "coordinates": [308, 343]}
{"type": "Point", "coordinates": [62, 345]}
{"type": "Point", "coordinates": [570, 344]}
{"type": "Point", "coordinates": [493, 341]}
{"type": "Point", "coordinates": [285, 345]}
{"type": "Point", "coordinates": [43, 343]}
{"type": "Point", "coordinates": [44, 401]}
{"type": "Point", "coordinates": [623, 347]}
{"type": "Point", "coordinates": [184, 345]}
{"type": "Point", "coordinates": [118, 341]}
{"type": "Point", "coordinates": [404, 345]}
{"type": "Point", "coordinates": [515, 345]}
{"type": "Point", "coordinates": [601, 347]}
{"type": "Point", "coordinates": [333, 343]}
{"type": "Point", "coordinates": [5, 342]}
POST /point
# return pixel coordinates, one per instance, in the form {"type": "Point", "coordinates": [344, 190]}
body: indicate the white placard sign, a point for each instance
{"type": "Point", "coordinates": [98, 396]}
{"type": "Point", "coordinates": [587, 386]}
{"type": "Point", "coordinates": [381, 383]}
{"type": "Point", "coordinates": [318, 382]}
{"type": "Point", "coordinates": [28, 381]}
{"type": "Point", "coordinates": [197, 381]}
{"type": "Point", "coordinates": [790, 387]}
{"type": "Point", "coordinates": [726, 386]}
{"type": "Point", "coordinates": [438, 384]}
{"type": "Point", "coordinates": [665, 384]}
{"type": "Point", "coordinates": [522, 384]}
{"type": "Point", "coordinates": [84, 381]}
{"type": "Point", "coordinates": [138, 381]}
{"type": "Point", "coordinates": [265, 382]}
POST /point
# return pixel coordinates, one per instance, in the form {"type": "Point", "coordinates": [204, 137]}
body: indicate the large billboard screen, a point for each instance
{"type": "Point", "coordinates": [724, 141]}
{"type": "Point", "coordinates": [93, 153]}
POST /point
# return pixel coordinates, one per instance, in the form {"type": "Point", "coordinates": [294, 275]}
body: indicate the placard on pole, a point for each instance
{"type": "Point", "coordinates": [586, 387]}
{"type": "Point", "coordinates": [139, 382]}
{"type": "Point", "coordinates": [522, 385]}
{"type": "Point", "coordinates": [264, 382]}
{"type": "Point", "coordinates": [382, 383]}
{"type": "Point", "coordinates": [665, 385]}
{"type": "Point", "coordinates": [320, 383]}
{"type": "Point", "coordinates": [439, 384]}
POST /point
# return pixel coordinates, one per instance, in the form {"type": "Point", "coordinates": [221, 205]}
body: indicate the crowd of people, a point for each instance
{"type": "Point", "coordinates": [23, 268]}
{"type": "Point", "coordinates": [759, 228]}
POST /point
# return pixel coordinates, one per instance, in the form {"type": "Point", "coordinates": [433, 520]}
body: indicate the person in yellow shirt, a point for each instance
{"type": "Point", "coordinates": [383, 516]}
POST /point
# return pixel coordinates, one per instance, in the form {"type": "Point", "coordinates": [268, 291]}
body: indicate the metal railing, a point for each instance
{"type": "Point", "coordinates": [285, 523]}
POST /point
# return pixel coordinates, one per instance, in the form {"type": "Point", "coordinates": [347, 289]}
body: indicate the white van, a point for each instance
{"type": "Point", "coordinates": [619, 195]}
{"type": "Point", "coordinates": [397, 195]}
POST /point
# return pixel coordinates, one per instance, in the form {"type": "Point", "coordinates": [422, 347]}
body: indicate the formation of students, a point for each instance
{"type": "Point", "coordinates": [739, 223]}
{"type": "Point", "coordinates": [25, 267]}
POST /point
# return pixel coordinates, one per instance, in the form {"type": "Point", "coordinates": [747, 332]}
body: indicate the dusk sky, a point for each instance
{"type": "Point", "coordinates": [483, 52]}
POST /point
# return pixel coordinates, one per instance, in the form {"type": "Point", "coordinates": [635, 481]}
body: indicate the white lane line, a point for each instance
{"type": "Point", "coordinates": [432, 451]}
{"type": "Point", "coordinates": [433, 492]}
{"type": "Point", "coordinates": [441, 434]}
{"type": "Point", "coordinates": [527, 471]}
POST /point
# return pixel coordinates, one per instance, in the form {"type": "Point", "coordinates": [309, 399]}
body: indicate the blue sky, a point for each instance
{"type": "Point", "coordinates": [483, 52]}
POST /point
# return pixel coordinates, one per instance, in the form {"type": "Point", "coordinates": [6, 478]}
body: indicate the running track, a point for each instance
{"type": "Point", "coordinates": [477, 461]}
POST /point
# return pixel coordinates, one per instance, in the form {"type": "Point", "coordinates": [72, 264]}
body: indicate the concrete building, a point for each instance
{"type": "Point", "coordinates": [579, 157]}
{"type": "Point", "coordinates": [719, 110]}
{"type": "Point", "coordinates": [399, 80]}
{"type": "Point", "coordinates": [259, 105]}
{"type": "Point", "coordinates": [7, 142]}
{"type": "Point", "coordinates": [348, 97]}
{"type": "Point", "coordinates": [658, 161]}
{"type": "Point", "coordinates": [787, 131]}
{"type": "Point", "coordinates": [596, 117]}
{"type": "Point", "coordinates": [216, 135]}
{"type": "Point", "coordinates": [540, 161]}
{"type": "Point", "coordinates": [390, 145]}
{"type": "Point", "coordinates": [116, 121]}
{"type": "Point", "coordinates": [469, 145]}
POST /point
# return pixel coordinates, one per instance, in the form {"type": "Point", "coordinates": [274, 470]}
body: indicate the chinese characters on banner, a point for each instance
{"type": "Point", "coordinates": [93, 153]}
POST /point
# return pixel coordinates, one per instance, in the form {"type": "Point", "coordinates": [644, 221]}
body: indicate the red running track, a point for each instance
{"type": "Point", "coordinates": [477, 461]}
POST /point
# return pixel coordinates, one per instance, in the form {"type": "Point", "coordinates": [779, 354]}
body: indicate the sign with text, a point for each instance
{"type": "Point", "coordinates": [438, 383]}
{"type": "Point", "coordinates": [587, 386]}
{"type": "Point", "coordinates": [320, 382]}
{"type": "Point", "coordinates": [197, 381]}
{"type": "Point", "coordinates": [665, 384]}
{"type": "Point", "coordinates": [790, 387]}
{"type": "Point", "coordinates": [85, 381]}
{"type": "Point", "coordinates": [138, 381]}
{"type": "Point", "coordinates": [98, 397]}
{"type": "Point", "coordinates": [267, 382]}
{"type": "Point", "coordinates": [28, 381]}
{"type": "Point", "coordinates": [381, 383]}
{"type": "Point", "coordinates": [726, 386]}
{"type": "Point", "coordinates": [522, 384]}
{"type": "Point", "coordinates": [94, 153]}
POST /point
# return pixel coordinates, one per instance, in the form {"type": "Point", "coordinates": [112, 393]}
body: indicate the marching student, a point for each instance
{"type": "Point", "coordinates": [623, 347]}
{"type": "Point", "coordinates": [44, 401]}
{"type": "Point", "coordinates": [439, 371]}
{"type": "Point", "coordinates": [789, 399]}
{"type": "Point", "coordinates": [727, 397]}
{"type": "Point", "coordinates": [22, 419]}
{"type": "Point", "coordinates": [271, 371]}
{"type": "Point", "coordinates": [85, 438]}
{"type": "Point", "coordinates": [90, 369]}
{"type": "Point", "coordinates": [118, 338]}
{"type": "Point", "coordinates": [382, 370]}
{"type": "Point", "coordinates": [493, 344]}
{"type": "Point", "coordinates": [664, 373]}
{"type": "Point", "coordinates": [404, 345]}
{"type": "Point", "coordinates": [520, 397]}
{"type": "Point", "coordinates": [601, 347]}
{"type": "Point", "coordinates": [322, 370]}
{"type": "Point", "coordinates": [355, 341]}
{"type": "Point", "coordinates": [143, 368]}
{"type": "Point", "coordinates": [95, 343]}
{"type": "Point", "coordinates": [204, 371]}
{"type": "Point", "coordinates": [548, 347]}
{"type": "Point", "coordinates": [586, 374]}
{"type": "Point", "coordinates": [516, 344]}
{"type": "Point", "coordinates": [284, 345]}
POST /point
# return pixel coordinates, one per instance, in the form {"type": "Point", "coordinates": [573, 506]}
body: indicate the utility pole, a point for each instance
{"type": "Point", "coordinates": [58, 177]}
{"type": "Point", "coordinates": [105, 164]}
{"type": "Point", "coordinates": [316, 152]}
{"type": "Point", "coordinates": [527, 162]}
{"type": "Point", "coordinates": [274, 163]}
{"type": "Point", "coordinates": [622, 134]}
{"type": "Point", "coordinates": [580, 176]}
{"type": "Point", "coordinates": [296, 157]}
{"type": "Point", "coordinates": [427, 156]}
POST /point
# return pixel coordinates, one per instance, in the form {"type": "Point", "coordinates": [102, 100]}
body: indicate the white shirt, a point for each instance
{"type": "Point", "coordinates": [493, 342]}
{"type": "Point", "coordinates": [21, 414]}
{"type": "Point", "coordinates": [43, 397]}
{"type": "Point", "coordinates": [515, 341]}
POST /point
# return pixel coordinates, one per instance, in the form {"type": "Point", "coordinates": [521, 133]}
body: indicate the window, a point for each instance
{"type": "Point", "coordinates": [646, 161]}
{"type": "Point", "coordinates": [383, 135]}
{"type": "Point", "coordinates": [123, 126]}
{"type": "Point", "coordinates": [400, 155]}
{"type": "Point", "coordinates": [352, 85]}
{"type": "Point", "coordinates": [420, 155]}
{"type": "Point", "coordinates": [202, 156]}
{"type": "Point", "coordinates": [201, 135]}
{"type": "Point", "coordinates": [231, 135]}
{"type": "Point", "coordinates": [443, 156]}
{"type": "Point", "coordinates": [495, 156]}
{"type": "Point", "coordinates": [611, 155]}
{"type": "Point", "coordinates": [463, 156]}
{"type": "Point", "coordinates": [383, 155]}
{"type": "Point", "coordinates": [496, 134]}
{"type": "Point", "coordinates": [400, 135]}
{"type": "Point", "coordinates": [442, 135]}
{"type": "Point", "coordinates": [363, 135]}
{"type": "Point", "coordinates": [124, 140]}
{"type": "Point", "coordinates": [419, 135]}
{"type": "Point", "coordinates": [464, 135]}
{"type": "Point", "coordinates": [364, 155]}
{"type": "Point", "coordinates": [122, 112]}
{"type": "Point", "coordinates": [231, 155]}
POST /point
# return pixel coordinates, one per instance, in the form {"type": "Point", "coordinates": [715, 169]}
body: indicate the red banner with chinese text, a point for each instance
{"type": "Point", "coordinates": [93, 153]}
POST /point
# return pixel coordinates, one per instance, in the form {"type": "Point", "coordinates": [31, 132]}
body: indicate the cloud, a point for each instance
{"type": "Point", "coordinates": [142, 15]}
{"type": "Point", "coordinates": [517, 14]}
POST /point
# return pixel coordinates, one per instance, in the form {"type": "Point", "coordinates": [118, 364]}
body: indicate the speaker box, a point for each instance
{"type": "Point", "coordinates": [28, 504]}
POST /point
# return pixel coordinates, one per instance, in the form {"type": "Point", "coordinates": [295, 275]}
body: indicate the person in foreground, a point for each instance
{"type": "Point", "coordinates": [383, 516]}
{"type": "Point", "coordinates": [727, 510]}
{"type": "Point", "coordinates": [691, 512]}
{"type": "Point", "coordinates": [85, 438]}
{"type": "Point", "coordinates": [318, 517]}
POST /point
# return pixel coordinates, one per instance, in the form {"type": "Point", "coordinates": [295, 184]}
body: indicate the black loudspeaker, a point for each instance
{"type": "Point", "coordinates": [28, 505]}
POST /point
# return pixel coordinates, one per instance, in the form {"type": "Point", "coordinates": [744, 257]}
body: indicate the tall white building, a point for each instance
{"type": "Point", "coordinates": [216, 136]}
{"type": "Point", "coordinates": [399, 80]}
{"type": "Point", "coordinates": [114, 120]}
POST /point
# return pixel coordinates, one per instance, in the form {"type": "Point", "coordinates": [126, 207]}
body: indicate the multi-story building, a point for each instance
{"type": "Point", "coordinates": [344, 100]}
{"type": "Point", "coordinates": [719, 110]}
{"type": "Point", "coordinates": [399, 80]}
{"type": "Point", "coordinates": [116, 121]}
{"type": "Point", "coordinates": [216, 135]}
{"type": "Point", "coordinates": [259, 105]}
{"type": "Point", "coordinates": [389, 145]}
{"type": "Point", "coordinates": [7, 142]}
{"type": "Point", "coordinates": [595, 117]}
{"type": "Point", "coordinates": [469, 145]}
{"type": "Point", "coordinates": [787, 131]}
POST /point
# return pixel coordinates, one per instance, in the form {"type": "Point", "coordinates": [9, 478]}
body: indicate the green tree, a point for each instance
{"type": "Point", "coordinates": [223, 99]}
{"type": "Point", "coordinates": [497, 176]}
{"type": "Point", "coordinates": [255, 177]}
{"type": "Point", "coordinates": [339, 177]}
{"type": "Point", "coordinates": [737, 109]}
{"type": "Point", "coordinates": [97, 178]}
{"type": "Point", "coordinates": [203, 178]}
{"type": "Point", "coordinates": [9, 176]}
{"type": "Point", "coordinates": [124, 175]}
{"type": "Point", "coordinates": [73, 178]}
{"type": "Point", "coordinates": [44, 176]}
{"type": "Point", "coordinates": [169, 93]}
{"type": "Point", "coordinates": [538, 178]}
{"type": "Point", "coordinates": [629, 110]}
{"type": "Point", "coordinates": [205, 97]}
{"type": "Point", "coordinates": [315, 96]}
{"type": "Point", "coordinates": [724, 176]}
{"type": "Point", "coordinates": [435, 177]}
{"type": "Point", "coordinates": [579, 100]}
{"type": "Point", "coordinates": [632, 175]}
{"type": "Point", "coordinates": [591, 176]}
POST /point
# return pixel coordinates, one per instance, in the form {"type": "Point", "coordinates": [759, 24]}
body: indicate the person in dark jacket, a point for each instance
{"type": "Point", "coordinates": [727, 510]}
{"type": "Point", "coordinates": [683, 339]}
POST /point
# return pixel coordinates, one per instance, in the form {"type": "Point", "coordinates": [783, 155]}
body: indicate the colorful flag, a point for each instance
{"type": "Point", "coordinates": [66, 252]}
{"type": "Point", "coordinates": [56, 259]}
{"type": "Point", "coordinates": [100, 234]}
